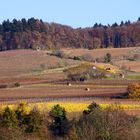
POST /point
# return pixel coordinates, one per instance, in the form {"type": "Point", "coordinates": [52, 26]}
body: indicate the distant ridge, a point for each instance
{"type": "Point", "coordinates": [36, 34]}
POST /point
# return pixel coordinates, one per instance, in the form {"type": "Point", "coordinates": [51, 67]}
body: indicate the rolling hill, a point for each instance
{"type": "Point", "coordinates": [36, 34]}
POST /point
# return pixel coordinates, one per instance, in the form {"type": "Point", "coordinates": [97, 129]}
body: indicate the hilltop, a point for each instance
{"type": "Point", "coordinates": [36, 34]}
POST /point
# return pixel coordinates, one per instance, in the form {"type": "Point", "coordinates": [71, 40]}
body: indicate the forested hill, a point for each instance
{"type": "Point", "coordinates": [34, 33]}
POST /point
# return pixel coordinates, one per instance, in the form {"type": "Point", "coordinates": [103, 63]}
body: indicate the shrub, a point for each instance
{"type": "Point", "coordinates": [133, 90]}
{"type": "Point", "coordinates": [17, 84]}
{"type": "Point", "coordinates": [77, 58]}
{"type": "Point", "coordinates": [107, 58]}
{"type": "Point", "coordinates": [9, 118]}
{"type": "Point", "coordinates": [84, 77]}
{"type": "Point", "coordinates": [91, 107]}
{"type": "Point", "coordinates": [79, 77]}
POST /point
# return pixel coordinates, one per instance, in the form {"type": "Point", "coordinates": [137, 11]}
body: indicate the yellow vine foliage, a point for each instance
{"type": "Point", "coordinates": [70, 106]}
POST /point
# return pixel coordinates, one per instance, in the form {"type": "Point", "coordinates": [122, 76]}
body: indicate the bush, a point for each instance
{"type": "Point", "coordinates": [33, 121]}
{"type": "Point", "coordinates": [77, 58]}
{"type": "Point", "coordinates": [9, 119]}
{"type": "Point", "coordinates": [133, 90]}
{"type": "Point", "coordinates": [78, 77]}
{"type": "Point", "coordinates": [17, 84]}
{"type": "Point", "coordinates": [84, 77]}
{"type": "Point", "coordinates": [91, 108]}
{"type": "Point", "coordinates": [107, 58]}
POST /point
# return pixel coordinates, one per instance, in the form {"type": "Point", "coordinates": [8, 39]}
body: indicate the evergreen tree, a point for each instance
{"type": "Point", "coordinates": [95, 25]}
{"type": "Point", "coordinates": [6, 26]}
{"type": "Point", "coordinates": [107, 58]}
{"type": "Point", "coordinates": [106, 39]}
{"type": "Point", "coordinates": [122, 23]}
{"type": "Point", "coordinates": [1, 29]}
{"type": "Point", "coordinates": [114, 25]}
{"type": "Point", "coordinates": [60, 125]}
{"type": "Point", "coordinates": [117, 40]}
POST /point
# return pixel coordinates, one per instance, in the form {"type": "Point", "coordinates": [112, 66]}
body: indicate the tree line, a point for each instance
{"type": "Point", "coordinates": [34, 33]}
{"type": "Point", "coordinates": [95, 123]}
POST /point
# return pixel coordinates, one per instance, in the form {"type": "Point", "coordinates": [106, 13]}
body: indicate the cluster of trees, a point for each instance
{"type": "Point", "coordinates": [94, 124]}
{"type": "Point", "coordinates": [85, 72]}
{"type": "Point", "coordinates": [19, 123]}
{"type": "Point", "coordinates": [34, 34]}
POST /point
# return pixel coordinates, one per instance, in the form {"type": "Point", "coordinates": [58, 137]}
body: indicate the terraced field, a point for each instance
{"type": "Point", "coordinates": [61, 91]}
{"type": "Point", "coordinates": [43, 80]}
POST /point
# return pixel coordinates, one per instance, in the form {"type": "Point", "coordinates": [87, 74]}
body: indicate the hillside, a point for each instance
{"type": "Point", "coordinates": [32, 66]}
{"type": "Point", "coordinates": [36, 34]}
{"type": "Point", "coordinates": [27, 62]}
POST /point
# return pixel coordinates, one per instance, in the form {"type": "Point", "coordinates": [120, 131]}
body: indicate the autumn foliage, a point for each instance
{"type": "Point", "coordinates": [134, 90]}
{"type": "Point", "coordinates": [36, 34]}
